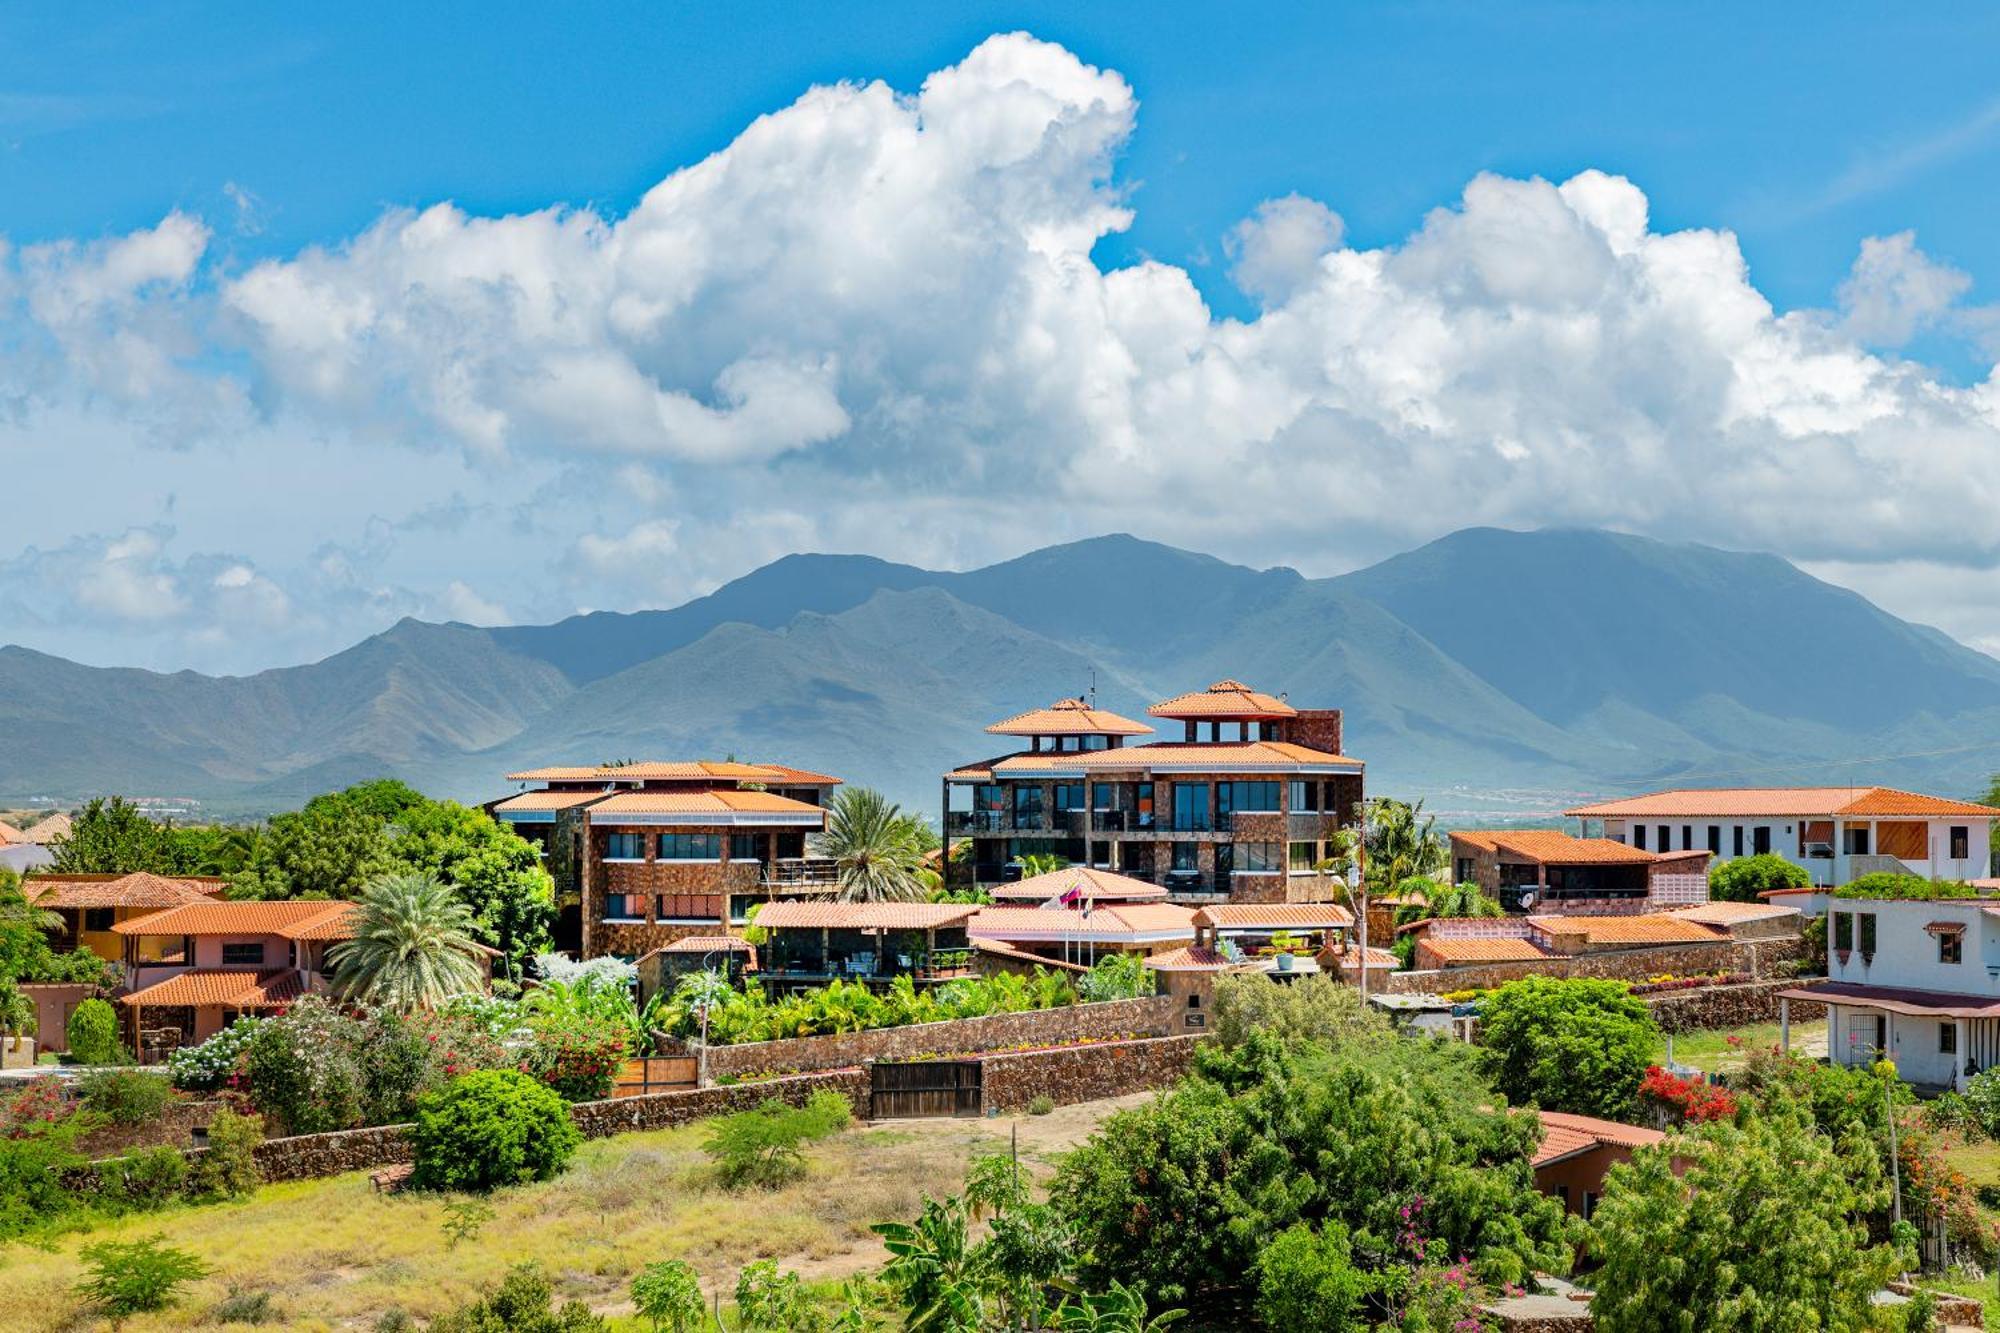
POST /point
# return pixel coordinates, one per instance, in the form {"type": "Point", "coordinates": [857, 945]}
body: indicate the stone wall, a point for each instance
{"type": "Point", "coordinates": [1085, 1073]}
{"type": "Point", "coordinates": [1150, 1016]}
{"type": "Point", "coordinates": [1756, 957]}
{"type": "Point", "coordinates": [306, 1156]}
{"type": "Point", "coordinates": [1709, 1008]}
{"type": "Point", "coordinates": [664, 1110]}
{"type": "Point", "coordinates": [173, 1128]}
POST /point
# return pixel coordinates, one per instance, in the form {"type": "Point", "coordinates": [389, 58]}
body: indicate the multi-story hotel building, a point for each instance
{"type": "Point", "coordinates": [1240, 805]}
{"type": "Point", "coordinates": [647, 853]}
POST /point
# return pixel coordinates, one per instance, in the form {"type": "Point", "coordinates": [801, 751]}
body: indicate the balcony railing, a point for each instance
{"type": "Point", "coordinates": [1122, 821]}
{"type": "Point", "coordinates": [976, 821]}
{"type": "Point", "coordinates": [1186, 822]}
{"type": "Point", "coordinates": [800, 873]}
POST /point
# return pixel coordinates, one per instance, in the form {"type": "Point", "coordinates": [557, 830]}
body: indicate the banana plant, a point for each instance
{"type": "Point", "coordinates": [1119, 1310]}
{"type": "Point", "coordinates": [936, 1269]}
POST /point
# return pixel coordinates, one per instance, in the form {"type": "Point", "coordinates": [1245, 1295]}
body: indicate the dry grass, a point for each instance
{"type": "Point", "coordinates": [335, 1255]}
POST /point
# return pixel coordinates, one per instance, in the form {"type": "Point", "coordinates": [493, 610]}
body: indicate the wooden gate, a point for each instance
{"type": "Point", "coordinates": [669, 1074]}
{"type": "Point", "coordinates": [928, 1088]}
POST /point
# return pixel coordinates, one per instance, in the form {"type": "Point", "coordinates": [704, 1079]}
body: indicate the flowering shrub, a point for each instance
{"type": "Point", "coordinates": [1691, 1100]}
{"type": "Point", "coordinates": [578, 1056]}
{"type": "Point", "coordinates": [216, 1063]}
{"type": "Point", "coordinates": [302, 1069]}
{"type": "Point", "coordinates": [39, 1101]}
{"type": "Point", "coordinates": [1669, 982]}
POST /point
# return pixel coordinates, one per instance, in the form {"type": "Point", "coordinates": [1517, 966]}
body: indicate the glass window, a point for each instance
{"type": "Point", "coordinates": [1191, 807]}
{"type": "Point", "coordinates": [1666, 842]}
{"type": "Point", "coordinates": [1069, 796]}
{"type": "Point", "coordinates": [1305, 796]}
{"type": "Point", "coordinates": [1843, 930]}
{"type": "Point", "coordinates": [1960, 841]}
{"type": "Point", "coordinates": [1951, 947]}
{"type": "Point", "coordinates": [1867, 931]}
{"type": "Point", "coordinates": [1257, 857]}
{"type": "Point", "coordinates": [1027, 803]}
{"type": "Point", "coordinates": [1260, 797]}
{"type": "Point", "coordinates": [1947, 1039]}
{"type": "Point", "coordinates": [1687, 838]}
{"type": "Point", "coordinates": [1760, 839]}
{"type": "Point", "coordinates": [624, 846]}
{"type": "Point", "coordinates": [746, 846]}
{"type": "Point", "coordinates": [690, 846]}
{"type": "Point", "coordinates": [1715, 839]}
{"type": "Point", "coordinates": [1639, 836]}
{"type": "Point", "coordinates": [243, 955]}
{"type": "Point", "coordinates": [624, 907]}
{"type": "Point", "coordinates": [1736, 840]}
{"type": "Point", "coordinates": [1185, 856]}
{"type": "Point", "coordinates": [1303, 856]}
{"type": "Point", "coordinates": [98, 918]}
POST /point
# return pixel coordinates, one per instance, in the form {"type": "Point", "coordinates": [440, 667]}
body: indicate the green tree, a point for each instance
{"type": "Point", "coordinates": [93, 1033]}
{"type": "Point", "coordinates": [412, 949]}
{"type": "Point", "coordinates": [1401, 842]}
{"type": "Point", "coordinates": [330, 849]}
{"type": "Point", "coordinates": [1307, 1282]}
{"type": "Point", "coordinates": [109, 836]}
{"type": "Point", "coordinates": [24, 942]}
{"type": "Point", "coordinates": [667, 1295]}
{"type": "Point", "coordinates": [1427, 899]}
{"type": "Point", "coordinates": [935, 1269]}
{"type": "Point", "coordinates": [877, 853]}
{"type": "Point", "coordinates": [1735, 1229]}
{"type": "Point", "coordinates": [1576, 1044]}
{"type": "Point", "coordinates": [492, 870]}
{"type": "Point", "coordinates": [1742, 879]}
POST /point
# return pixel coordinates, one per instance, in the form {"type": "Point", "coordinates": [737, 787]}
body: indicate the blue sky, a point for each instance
{"type": "Point", "coordinates": [1802, 131]}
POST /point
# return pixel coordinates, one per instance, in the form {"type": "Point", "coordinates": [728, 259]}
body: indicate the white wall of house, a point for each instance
{"type": "Point", "coordinates": [1782, 831]}
{"type": "Point", "coordinates": [1908, 955]}
{"type": "Point", "coordinates": [1915, 1043]}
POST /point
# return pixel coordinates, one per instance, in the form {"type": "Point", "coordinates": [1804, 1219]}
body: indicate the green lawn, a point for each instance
{"type": "Point", "coordinates": [1712, 1051]}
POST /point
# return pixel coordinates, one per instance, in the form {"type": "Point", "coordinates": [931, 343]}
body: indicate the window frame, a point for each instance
{"type": "Point", "coordinates": [242, 947]}
{"type": "Point", "coordinates": [614, 841]}
{"type": "Point", "coordinates": [713, 839]}
{"type": "Point", "coordinates": [1951, 947]}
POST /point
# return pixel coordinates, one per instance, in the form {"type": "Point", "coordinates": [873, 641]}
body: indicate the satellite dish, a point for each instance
{"type": "Point", "coordinates": [1527, 900]}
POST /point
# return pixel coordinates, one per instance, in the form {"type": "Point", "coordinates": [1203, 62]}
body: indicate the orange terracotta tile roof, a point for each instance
{"type": "Point", "coordinates": [1193, 959]}
{"type": "Point", "coordinates": [48, 830]}
{"type": "Point", "coordinates": [1649, 928]}
{"type": "Point", "coordinates": [1565, 1135]}
{"type": "Point", "coordinates": [999, 949]}
{"type": "Point", "coordinates": [1349, 956]}
{"type": "Point", "coordinates": [1553, 847]}
{"type": "Point", "coordinates": [1170, 756]}
{"type": "Point", "coordinates": [1482, 950]}
{"type": "Point", "coordinates": [1277, 916]}
{"type": "Point", "coordinates": [1729, 914]}
{"type": "Point", "coordinates": [290, 919]}
{"type": "Point", "coordinates": [1068, 717]}
{"type": "Point", "coordinates": [1224, 699]}
{"type": "Point", "coordinates": [240, 988]}
{"type": "Point", "coordinates": [1131, 922]}
{"type": "Point", "coordinates": [729, 806]}
{"type": "Point", "coordinates": [1753, 802]}
{"type": "Point", "coordinates": [138, 889]}
{"type": "Point", "coordinates": [547, 800]}
{"type": "Point", "coordinates": [9, 834]}
{"type": "Point", "coordinates": [796, 915]}
{"type": "Point", "coordinates": [696, 770]}
{"type": "Point", "coordinates": [1100, 885]}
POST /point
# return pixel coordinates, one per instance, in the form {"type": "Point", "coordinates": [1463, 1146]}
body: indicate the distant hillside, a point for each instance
{"type": "Point", "coordinates": [1568, 661]}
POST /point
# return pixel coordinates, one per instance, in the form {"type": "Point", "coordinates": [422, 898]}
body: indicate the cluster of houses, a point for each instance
{"type": "Point", "coordinates": [1198, 840]}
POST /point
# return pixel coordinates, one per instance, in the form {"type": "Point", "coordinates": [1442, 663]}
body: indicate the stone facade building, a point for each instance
{"type": "Point", "coordinates": [644, 854]}
{"type": "Point", "coordinates": [1239, 807]}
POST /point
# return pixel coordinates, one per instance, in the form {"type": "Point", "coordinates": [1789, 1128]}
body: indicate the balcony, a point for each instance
{"type": "Point", "coordinates": [1122, 821]}
{"type": "Point", "coordinates": [799, 873]}
{"type": "Point", "coordinates": [976, 821]}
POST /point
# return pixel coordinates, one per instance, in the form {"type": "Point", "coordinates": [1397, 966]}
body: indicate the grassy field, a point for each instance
{"type": "Point", "coordinates": [1712, 1051]}
{"type": "Point", "coordinates": [333, 1254]}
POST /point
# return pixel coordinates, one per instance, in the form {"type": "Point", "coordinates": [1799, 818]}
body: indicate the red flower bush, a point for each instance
{"type": "Point", "coordinates": [1693, 1100]}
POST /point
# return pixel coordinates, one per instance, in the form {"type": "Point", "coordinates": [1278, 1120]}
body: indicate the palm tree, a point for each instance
{"type": "Point", "coordinates": [877, 850]}
{"type": "Point", "coordinates": [412, 949]}
{"type": "Point", "coordinates": [1401, 841]}
{"type": "Point", "coordinates": [1426, 899]}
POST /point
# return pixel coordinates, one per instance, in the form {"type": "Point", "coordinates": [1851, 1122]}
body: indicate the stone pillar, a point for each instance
{"type": "Point", "coordinates": [1785, 1026]}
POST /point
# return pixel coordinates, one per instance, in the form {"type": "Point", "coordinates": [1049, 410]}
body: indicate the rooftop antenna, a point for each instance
{"type": "Point", "coordinates": [1093, 687]}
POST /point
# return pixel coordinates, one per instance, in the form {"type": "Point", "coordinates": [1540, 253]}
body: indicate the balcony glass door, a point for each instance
{"type": "Point", "coordinates": [1191, 807]}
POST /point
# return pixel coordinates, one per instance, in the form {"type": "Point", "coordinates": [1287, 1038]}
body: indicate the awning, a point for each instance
{"type": "Point", "coordinates": [1897, 1000]}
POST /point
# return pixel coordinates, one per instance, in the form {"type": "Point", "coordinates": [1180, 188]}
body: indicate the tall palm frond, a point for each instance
{"type": "Point", "coordinates": [877, 850]}
{"type": "Point", "coordinates": [413, 949]}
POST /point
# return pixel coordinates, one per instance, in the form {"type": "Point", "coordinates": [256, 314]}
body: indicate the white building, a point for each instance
{"type": "Point", "coordinates": [1916, 981]}
{"type": "Point", "coordinates": [1837, 833]}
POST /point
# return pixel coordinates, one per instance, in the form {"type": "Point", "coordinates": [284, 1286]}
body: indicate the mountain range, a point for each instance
{"type": "Point", "coordinates": [1495, 671]}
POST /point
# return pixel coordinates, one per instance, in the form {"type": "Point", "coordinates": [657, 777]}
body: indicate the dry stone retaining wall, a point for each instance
{"type": "Point", "coordinates": [1085, 1073]}
{"type": "Point", "coordinates": [1708, 1008]}
{"type": "Point", "coordinates": [1150, 1016]}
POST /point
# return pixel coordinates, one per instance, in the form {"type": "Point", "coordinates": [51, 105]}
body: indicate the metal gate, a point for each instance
{"type": "Point", "coordinates": [928, 1088]}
